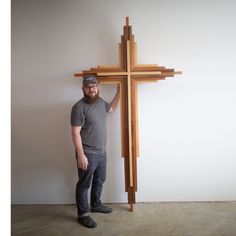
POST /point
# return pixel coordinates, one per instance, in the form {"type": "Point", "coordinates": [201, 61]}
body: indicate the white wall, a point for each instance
{"type": "Point", "coordinates": [187, 124]}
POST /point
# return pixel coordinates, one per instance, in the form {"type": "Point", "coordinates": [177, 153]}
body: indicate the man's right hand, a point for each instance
{"type": "Point", "coordinates": [82, 162]}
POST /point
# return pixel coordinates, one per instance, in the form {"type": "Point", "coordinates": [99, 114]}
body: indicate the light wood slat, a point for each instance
{"type": "Point", "coordinates": [129, 115]}
{"type": "Point", "coordinates": [130, 73]}
{"type": "Point", "coordinates": [109, 67]}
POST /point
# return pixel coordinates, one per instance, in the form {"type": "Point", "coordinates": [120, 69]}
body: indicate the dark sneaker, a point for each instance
{"type": "Point", "coordinates": [87, 222]}
{"type": "Point", "coordinates": [102, 209]}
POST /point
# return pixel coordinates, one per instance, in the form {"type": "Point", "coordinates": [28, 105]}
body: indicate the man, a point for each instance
{"type": "Point", "coordinates": [88, 127]}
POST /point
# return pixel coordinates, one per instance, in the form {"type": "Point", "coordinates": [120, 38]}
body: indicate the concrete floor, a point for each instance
{"type": "Point", "coordinates": [159, 219]}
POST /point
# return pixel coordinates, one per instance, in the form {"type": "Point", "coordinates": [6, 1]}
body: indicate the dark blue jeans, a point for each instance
{"type": "Point", "coordinates": [95, 175]}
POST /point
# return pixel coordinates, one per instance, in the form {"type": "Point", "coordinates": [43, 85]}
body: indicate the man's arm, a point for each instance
{"type": "Point", "coordinates": [115, 101]}
{"type": "Point", "coordinates": [82, 160]}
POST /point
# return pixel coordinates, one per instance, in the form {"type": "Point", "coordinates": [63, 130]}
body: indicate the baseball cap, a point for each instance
{"type": "Point", "coordinates": [88, 80]}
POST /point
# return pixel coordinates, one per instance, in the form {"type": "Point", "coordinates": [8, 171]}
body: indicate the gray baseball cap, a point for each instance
{"type": "Point", "coordinates": [89, 79]}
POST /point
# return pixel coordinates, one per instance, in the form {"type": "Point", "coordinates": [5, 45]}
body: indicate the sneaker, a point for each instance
{"type": "Point", "coordinates": [102, 209]}
{"type": "Point", "coordinates": [87, 222]}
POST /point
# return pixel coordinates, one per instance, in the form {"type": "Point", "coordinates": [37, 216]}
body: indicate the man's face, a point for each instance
{"type": "Point", "coordinates": [91, 92]}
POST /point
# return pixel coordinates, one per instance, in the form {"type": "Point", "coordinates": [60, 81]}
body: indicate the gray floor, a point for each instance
{"type": "Point", "coordinates": [161, 219]}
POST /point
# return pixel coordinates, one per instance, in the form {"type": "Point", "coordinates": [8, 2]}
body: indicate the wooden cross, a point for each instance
{"type": "Point", "coordinates": [128, 73]}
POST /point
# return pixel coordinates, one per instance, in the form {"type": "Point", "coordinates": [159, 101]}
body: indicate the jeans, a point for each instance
{"type": "Point", "coordinates": [95, 174]}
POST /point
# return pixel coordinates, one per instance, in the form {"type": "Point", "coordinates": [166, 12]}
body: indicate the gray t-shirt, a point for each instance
{"type": "Point", "coordinates": [92, 120]}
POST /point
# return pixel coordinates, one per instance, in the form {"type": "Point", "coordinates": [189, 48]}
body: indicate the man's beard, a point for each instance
{"type": "Point", "coordinates": [91, 99]}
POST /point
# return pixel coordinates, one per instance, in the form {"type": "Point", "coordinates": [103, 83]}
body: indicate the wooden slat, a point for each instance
{"type": "Point", "coordinates": [129, 116]}
{"type": "Point", "coordinates": [126, 21]}
{"type": "Point", "coordinates": [134, 132]}
{"type": "Point", "coordinates": [178, 72]}
{"type": "Point", "coordinates": [78, 74]}
{"type": "Point", "coordinates": [132, 53]}
{"type": "Point", "coordinates": [109, 67]}
{"type": "Point", "coordinates": [145, 68]}
{"type": "Point", "coordinates": [120, 56]}
{"type": "Point", "coordinates": [111, 73]}
{"type": "Point", "coordinates": [148, 79]}
{"type": "Point", "coordinates": [131, 73]}
{"type": "Point", "coordinates": [146, 65]}
{"type": "Point", "coordinates": [106, 69]}
{"type": "Point", "coordinates": [135, 54]}
{"type": "Point", "coordinates": [147, 73]}
{"type": "Point", "coordinates": [136, 118]}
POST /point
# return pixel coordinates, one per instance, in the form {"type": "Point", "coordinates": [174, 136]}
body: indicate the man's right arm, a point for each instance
{"type": "Point", "coordinates": [82, 160]}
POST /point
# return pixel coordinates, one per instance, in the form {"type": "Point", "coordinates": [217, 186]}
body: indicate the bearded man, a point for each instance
{"type": "Point", "coordinates": [88, 128]}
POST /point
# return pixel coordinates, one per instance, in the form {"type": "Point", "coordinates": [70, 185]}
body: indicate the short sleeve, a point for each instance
{"type": "Point", "coordinates": [77, 115]}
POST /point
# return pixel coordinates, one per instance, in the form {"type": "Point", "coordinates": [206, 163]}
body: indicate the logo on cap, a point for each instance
{"type": "Point", "coordinates": [90, 79]}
